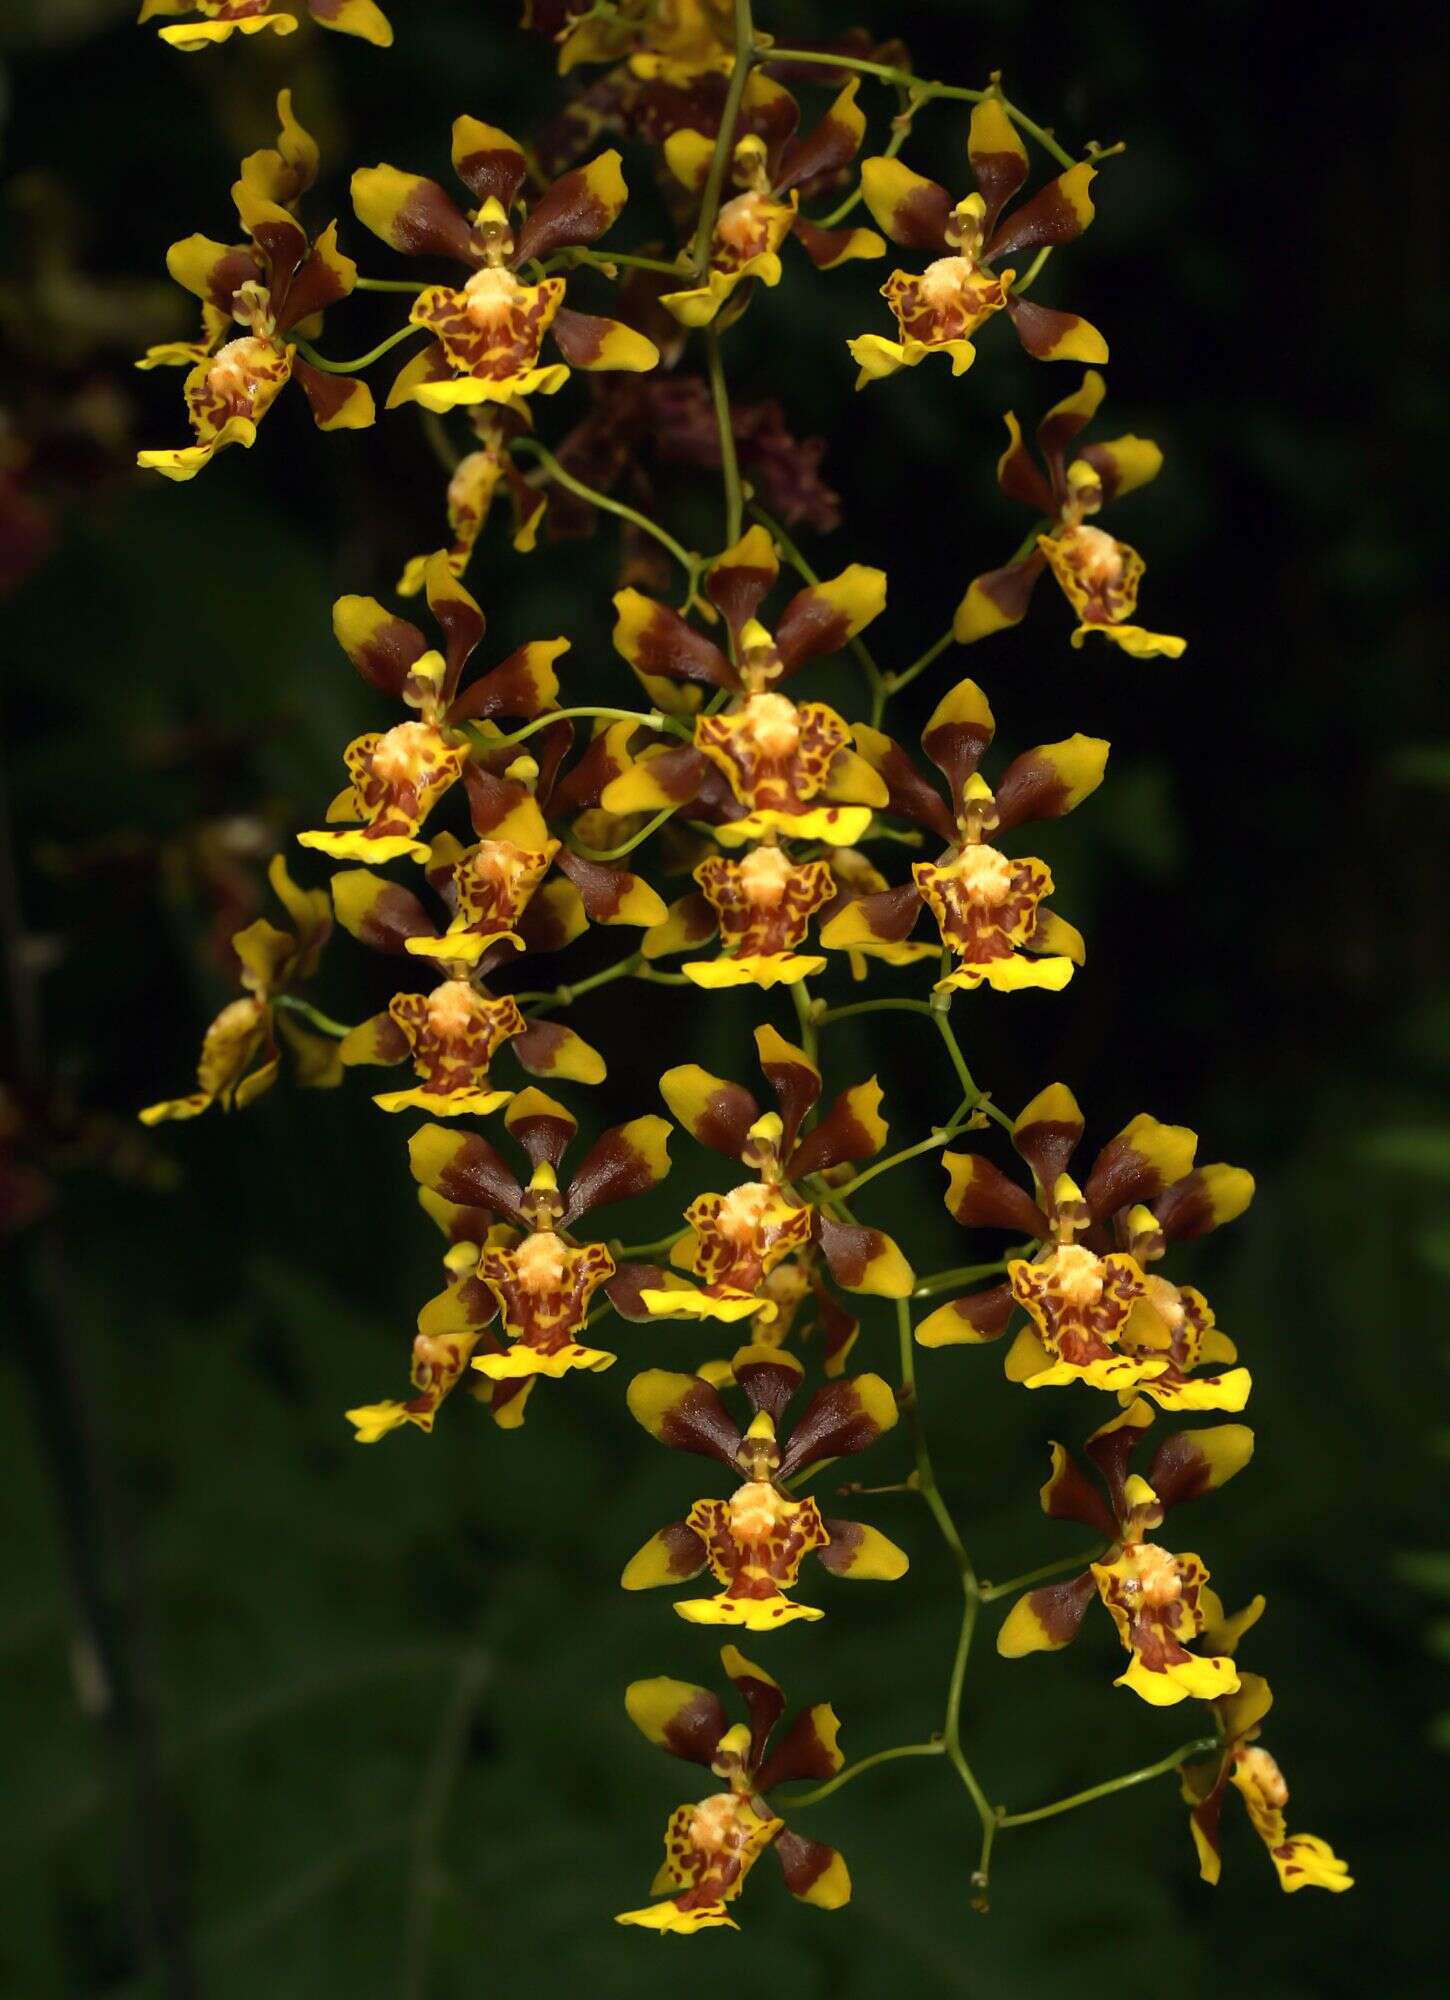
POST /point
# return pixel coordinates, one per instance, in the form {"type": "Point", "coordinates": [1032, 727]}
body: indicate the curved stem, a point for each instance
{"type": "Point", "coordinates": [872, 1007]}
{"type": "Point", "coordinates": [858, 1181]}
{"type": "Point", "coordinates": [648, 719]}
{"type": "Point", "coordinates": [1200, 1746]}
{"type": "Point", "coordinates": [901, 131]}
{"type": "Point", "coordinates": [563, 996]}
{"type": "Point", "coordinates": [1029, 276]}
{"type": "Point", "coordinates": [962, 1274]}
{"type": "Point", "coordinates": [309, 352]}
{"type": "Point", "coordinates": [729, 460]}
{"type": "Point", "coordinates": [605, 502]}
{"type": "Point", "coordinates": [819, 58]}
{"type": "Point", "coordinates": [324, 1023]}
{"type": "Point", "coordinates": [651, 825]}
{"type": "Point", "coordinates": [388, 285]}
{"type": "Point", "coordinates": [896, 682]}
{"type": "Point", "coordinates": [724, 141]}
{"type": "Point", "coordinates": [856, 1770]}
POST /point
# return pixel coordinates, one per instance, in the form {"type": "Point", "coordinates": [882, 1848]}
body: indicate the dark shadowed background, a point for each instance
{"type": "Point", "coordinates": [314, 1720]}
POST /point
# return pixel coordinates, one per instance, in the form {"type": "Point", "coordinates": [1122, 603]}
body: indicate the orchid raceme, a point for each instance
{"type": "Point", "coordinates": [489, 331]}
{"type": "Point", "coordinates": [987, 906]}
{"type": "Point", "coordinates": [1157, 1600]}
{"type": "Point", "coordinates": [939, 309]}
{"type": "Point", "coordinates": [717, 808]}
{"type": "Point", "coordinates": [270, 286]}
{"type": "Point", "coordinates": [711, 1847]}
{"type": "Point", "coordinates": [1097, 575]}
{"type": "Point", "coordinates": [220, 19]}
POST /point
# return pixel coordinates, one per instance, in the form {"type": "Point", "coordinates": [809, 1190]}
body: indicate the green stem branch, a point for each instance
{"type": "Point", "coordinates": [1200, 1746]}
{"type": "Point", "coordinates": [324, 1023]}
{"type": "Point", "coordinates": [310, 353]}
{"type": "Point", "coordinates": [725, 138]}
{"type": "Point", "coordinates": [856, 1770]}
{"type": "Point", "coordinates": [729, 459]}
{"type": "Point", "coordinates": [651, 825]}
{"type": "Point", "coordinates": [690, 563]}
{"type": "Point", "coordinates": [992, 1591]}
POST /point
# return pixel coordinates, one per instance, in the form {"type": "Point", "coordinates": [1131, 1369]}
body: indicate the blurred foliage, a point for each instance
{"type": "Point", "coordinates": [367, 1736]}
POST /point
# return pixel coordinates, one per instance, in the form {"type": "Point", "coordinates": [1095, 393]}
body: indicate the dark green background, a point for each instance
{"type": "Point", "coordinates": [369, 1737]}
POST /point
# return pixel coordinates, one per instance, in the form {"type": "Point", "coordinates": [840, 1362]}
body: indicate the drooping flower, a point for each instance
{"type": "Point", "coordinates": [736, 1241]}
{"type": "Point", "coordinates": [475, 483]}
{"type": "Point", "coordinates": [1098, 576]}
{"type": "Point", "coordinates": [711, 1846]}
{"type": "Point", "coordinates": [1301, 1861]}
{"type": "Point", "coordinates": [762, 767]}
{"type": "Point", "coordinates": [268, 286]}
{"type": "Point", "coordinates": [543, 1280]}
{"type": "Point", "coordinates": [220, 19]}
{"type": "Point", "coordinates": [239, 1053]}
{"type": "Point", "coordinates": [754, 1543]}
{"type": "Point", "coordinates": [399, 775]}
{"type": "Point", "coordinates": [1095, 1314]}
{"type": "Point", "coordinates": [489, 331]}
{"type": "Point", "coordinates": [939, 309]}
{"type": "Point", "coordinates": [1157, 1600]}
{"type": "Point", "coordinates": [770, 164]}
{"type": "Point", "coordinates": [988, 906]}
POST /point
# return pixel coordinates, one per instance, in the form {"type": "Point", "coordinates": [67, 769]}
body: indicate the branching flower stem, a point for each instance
{"type": "Point", "coordinates": [729, 460]}
{"type": "Point", "coordinates": [936, 1748]}
{"type": "Point", "coordinates": [310, 353]}
{"type": "Point", "coordinates": [1199, 1747]}
{"type": "Point", "coordinates": [691, 564]}
{"type": "Point", "coordinates": [904, 80]}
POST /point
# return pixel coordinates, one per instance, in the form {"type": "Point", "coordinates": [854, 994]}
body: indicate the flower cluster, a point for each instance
{"type": "Point", "coordinates": [487, 817]}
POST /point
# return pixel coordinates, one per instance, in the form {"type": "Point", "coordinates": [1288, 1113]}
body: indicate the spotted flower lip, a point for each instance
{"type": "Point", "coordinates": [399, 775]}
{"type": "Point", "coordinates": [240, 1058]}
{"type": "Point", "coordinates": [220, 19]}
{"type": "Point", "coordinates": [541, 1279]}
{"type": "Point", "coordinates": [711, 1847]}
{"type": "Point", "coordinates": [258, 292]}
{"type": "Point", "coordinates": [754, 1543]}
{"type": "Point", "coordinates": [772, 164]}
{"type": "Point", "coordinates": [1098, 576]}
{"type": "Point", "coordinates": [1157, 1601]}
{"type": "Point", "coordinates": [1142, 1191]}
{"type": "Point", "coordinates": [1301, 1861]}
{"type": "Point", "coordinates": [988, 907]}
{"type": "Point", "coordinates": [489, 331]}
{"type": "Point", "coordinates": [938, 310]}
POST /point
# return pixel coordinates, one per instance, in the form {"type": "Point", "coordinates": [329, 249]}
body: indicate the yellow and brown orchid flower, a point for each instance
{"type": "Point", "coordinates": [770, 164]}
{"type": "Point", "coordinates": [1158, 1601]}
{"type": "Point", "coordinates": [736, 1242]}
{"type": "Point", "coordinates": [678, 39]}
{"type": "Point", "coordinates": [542, 1280]}
{"type": "Point", "coordinates": [451, 1328]}
{"type": "Point", "coordinates": [476, 482]}
{"type": "Point", "coordinates": [239, 1053]}
{"type": "Point", "coordinates": [270, 286]}
{"type": "Point", "coordinates": [489, 331]}
{"type": "Point", "coordinates": [802, 1303]}
{"type": "Point", "coordinates": [399, 775]}
{"type": "Point", "coordinates": [1095, 1314]}
{"type": "Point", "coordinates": [711, 1846]}
{"type": "Point", "coordinates": [221, 19]}
{"type": "Point", "coordinates": [939, 309]}
{"type": "Point", "coordinates": [763, 767]}
{"type": "Point", "coordinates": [754, 1543]}
{"type": "Point", "coordinates": [1301, 1861]}
{"type": "Point", "coordinates": [988, 907]}
{"type": "Point", "coordinates": [1098, 576]}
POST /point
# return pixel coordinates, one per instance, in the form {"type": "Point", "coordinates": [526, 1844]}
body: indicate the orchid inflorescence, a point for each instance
{"type": "Point", "coordinates": [486, 820]}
